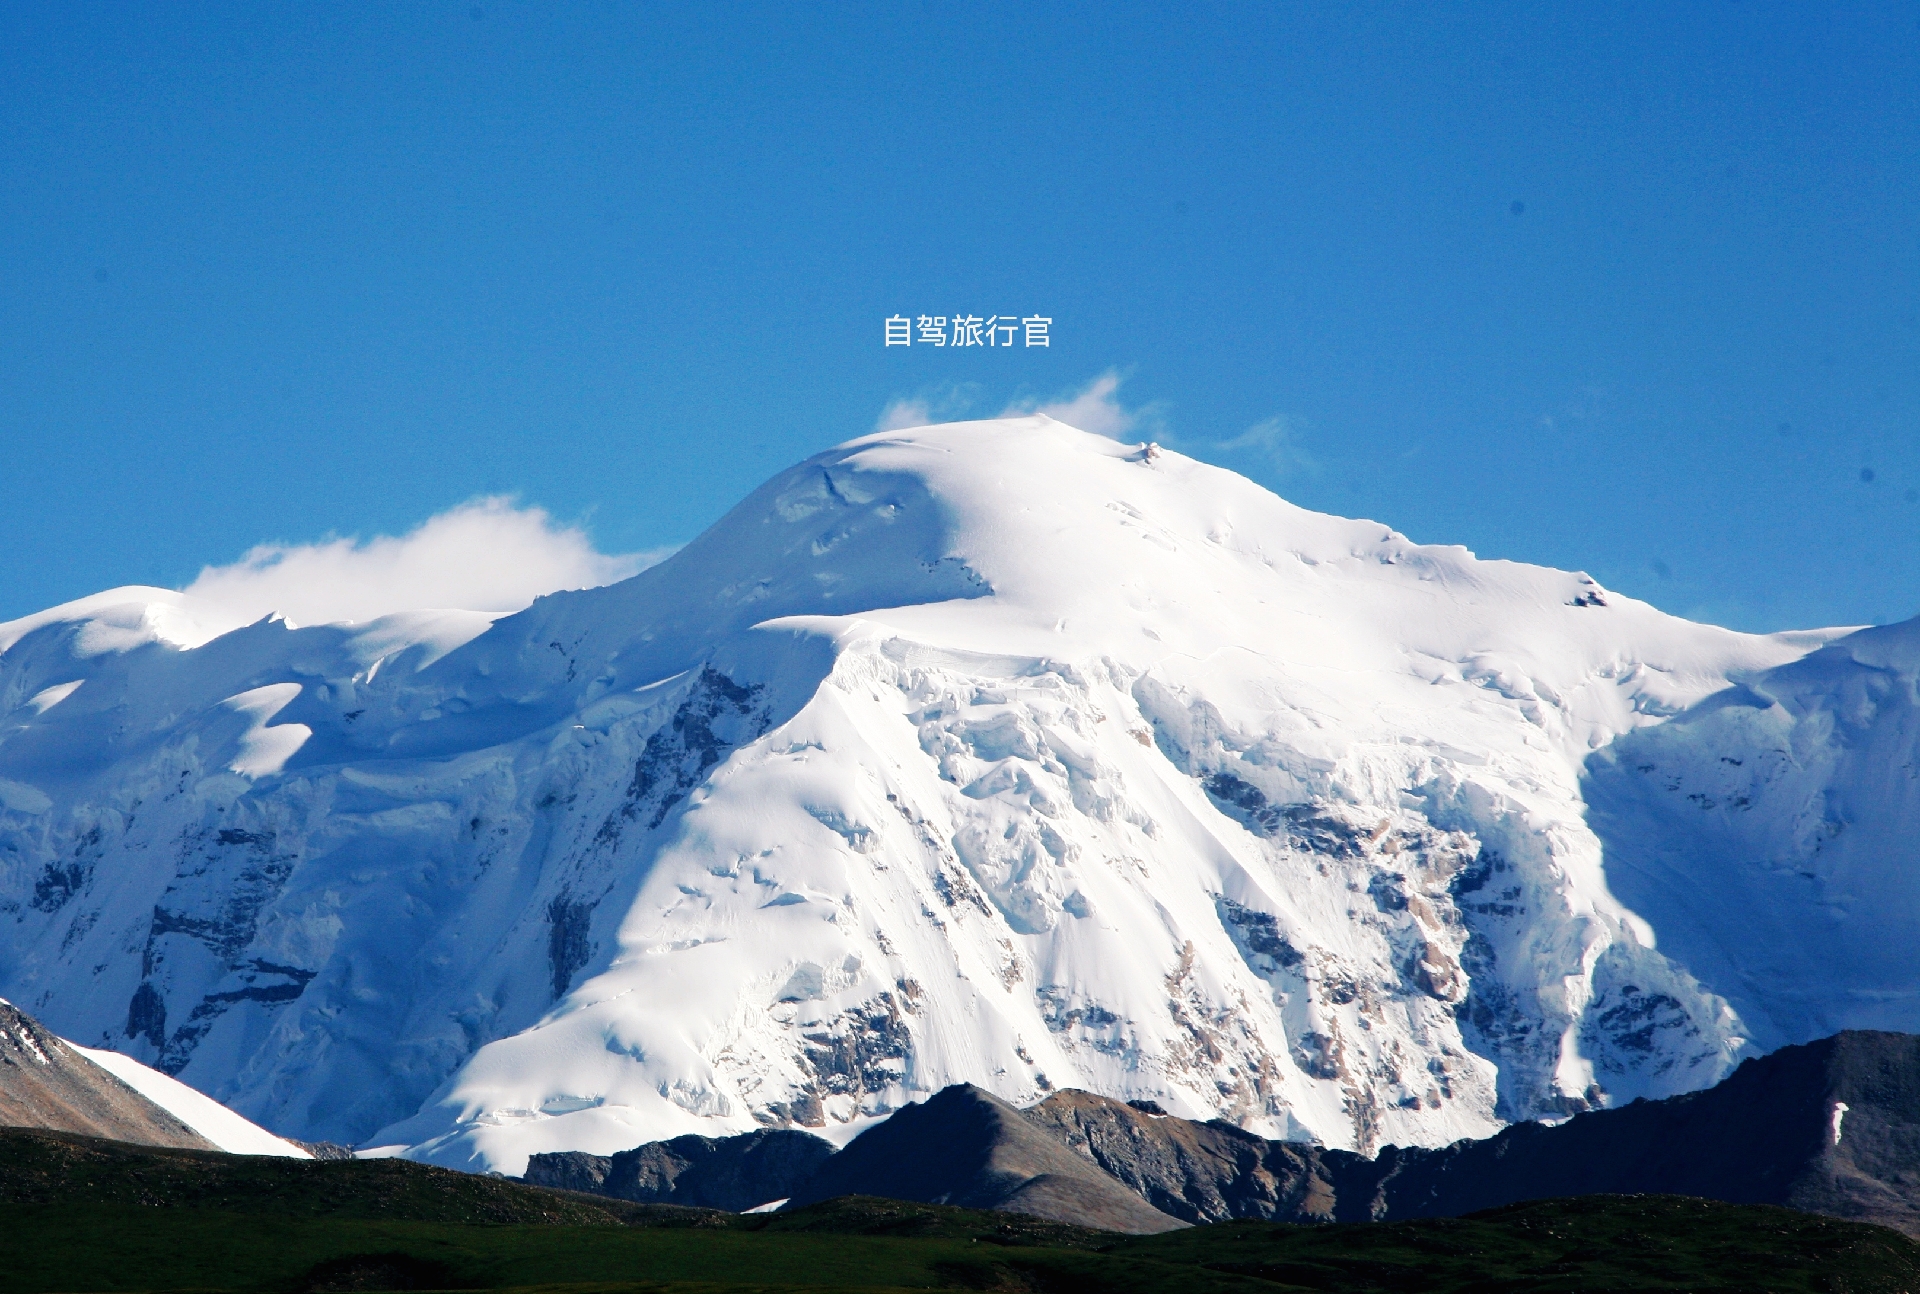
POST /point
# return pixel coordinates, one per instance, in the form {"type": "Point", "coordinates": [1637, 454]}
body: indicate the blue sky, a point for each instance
{"type": "Point", "coordinates": [1635, 291]}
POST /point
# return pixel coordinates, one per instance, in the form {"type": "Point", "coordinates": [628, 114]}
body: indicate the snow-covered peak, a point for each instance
{"type": "Point", "coordinates": [993, 752]}
{"type": "Point", "coordinates": [119, 620]}
{"type": "Point", "coordinates": [1073, 540]}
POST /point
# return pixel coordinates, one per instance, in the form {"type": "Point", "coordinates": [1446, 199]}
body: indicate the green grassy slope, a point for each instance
{"type": "Point", "coordinates": [1594, 1242]}
{"type": "Point", "coordinates": [122, 1247]}
{"type": "Point", "coordinates": [79, 1216]}
{"type": "Point", "coordinates": [39, 1167]}
{"type": "Point", "coordinates": [1599, 1243]}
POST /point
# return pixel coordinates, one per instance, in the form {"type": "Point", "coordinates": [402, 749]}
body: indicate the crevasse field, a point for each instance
{"type": "Point", "coordinates": [997, 752]}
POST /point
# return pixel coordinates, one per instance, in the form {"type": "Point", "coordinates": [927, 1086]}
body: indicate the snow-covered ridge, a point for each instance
{"type": "Point", "coordinates": [48, 1082]}
{"type": "Point", "coordinates": [205, 1116]}
{"type": "Point", "coordinates": [992, 752]}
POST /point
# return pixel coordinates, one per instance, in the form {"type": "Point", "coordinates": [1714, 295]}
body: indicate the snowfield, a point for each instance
{"type": "Point", "coordinates": [996, 752]}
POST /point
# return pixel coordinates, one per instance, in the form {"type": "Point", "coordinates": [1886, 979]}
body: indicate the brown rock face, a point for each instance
{"type": "Point", "coordinates": [44, 1083]}
{"type": "Point", "coordinates": [1198, 1172]}
{"type": "Point", "coordinates": [569, 1170]}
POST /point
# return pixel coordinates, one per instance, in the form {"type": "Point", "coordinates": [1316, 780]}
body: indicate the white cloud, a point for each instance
{"type": "Point", "coordinates": [933, 404]}
{"type": "Point", "coordinates": [487, 555]}
{"type": "Point", "coordinates": [1096, 407]}
{"type": "Point", "coordinates": [904, 412]}
{"type": "Point", "coordinates": [1273, 439]}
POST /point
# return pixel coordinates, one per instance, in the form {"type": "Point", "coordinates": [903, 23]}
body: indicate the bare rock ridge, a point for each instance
{"type": "Point", "coordinates": [576, 1170]}
{"type": "Point", "coordinates": [1829, 1127]}
{"type": "Point", "coordinates": [44, 1083]}
{"type": "Point", "coordinates": [732, 1173]}
{"type": "Point", "coordinates": [967, 1147]}
{"type": "Point", "coordinates": [963, 1147]}
{"type": "Point", "coordinates": [1201, 1172]}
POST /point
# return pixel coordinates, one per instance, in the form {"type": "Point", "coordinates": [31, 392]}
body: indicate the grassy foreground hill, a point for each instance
{"type": "Point", "coordinates": [77, 1214]}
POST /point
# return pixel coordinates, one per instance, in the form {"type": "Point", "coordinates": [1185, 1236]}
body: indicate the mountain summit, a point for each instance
{"type": "Point", "coordinates": [992, 752]}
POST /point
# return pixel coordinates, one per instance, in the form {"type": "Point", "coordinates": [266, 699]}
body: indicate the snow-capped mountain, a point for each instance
{"type": "Point", "coordinates": [992, 752]}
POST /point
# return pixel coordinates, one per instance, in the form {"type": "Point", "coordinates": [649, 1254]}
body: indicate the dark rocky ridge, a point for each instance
{"type": "Point", "coordinates": [963, 1147]}
{"type": "Point", "coordinates": [732, 1173]}
{"type": "Point", "coordinates": [1767, 1134]}
{"type": "Point", "coordinates": [44, 1083]}
{"type": "Point", "coordinates": [967, 1147]}
{"type": "Point", "coordinates": [1199, 1172]}
{"type": "Point", "coordinates": [1828, 1127]}
{"type": "Point", "coordinates": [573, 1170]}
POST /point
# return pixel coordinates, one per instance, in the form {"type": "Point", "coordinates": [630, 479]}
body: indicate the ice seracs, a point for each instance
{"type": "Point", "coordinates": [990, 752]}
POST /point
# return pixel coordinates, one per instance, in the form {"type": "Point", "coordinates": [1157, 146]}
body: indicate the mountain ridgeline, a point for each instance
{"type": "Point", "coordinates": [1830, 1127]}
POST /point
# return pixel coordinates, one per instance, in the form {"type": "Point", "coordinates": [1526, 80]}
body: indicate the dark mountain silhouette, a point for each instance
{"type": "Point", "coordinates": [732, 1173]}
{"type": "Point", "coordinates": [1828, 1127]}
{"type": "Point", "coordinates": [967, 1147]}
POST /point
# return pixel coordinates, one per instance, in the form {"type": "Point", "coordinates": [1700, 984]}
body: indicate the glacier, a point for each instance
{"type": "Point", "coordinates": [995, 752]}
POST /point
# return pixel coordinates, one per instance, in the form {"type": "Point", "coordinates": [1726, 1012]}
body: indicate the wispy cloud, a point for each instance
{"type": "Point", "coordinates": [904, 411]}
{"type": "Point", "coordinates": [945, 403]}
{"type": "Point", "coordinates": [487, 555]}
{"type": "Point", "coordinates": [1096, 407]}
{"type": "Point", "coordinates": [1273, 440]}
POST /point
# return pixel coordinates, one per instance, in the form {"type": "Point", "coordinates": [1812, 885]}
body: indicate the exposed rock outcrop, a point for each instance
{"type": "Point", "coordinates": [967, 1147]}
{"type": "Point", "coordinates": [1830, 1127]}
{"type": "Point", "coordinates": [570, 1170]}
{"type": "Point", "coordinates": [1199, 1172]}
{"type": "Point", "coordinates": [733, 1173]}
{"type": "Point", "coordinates": [326, 1149]}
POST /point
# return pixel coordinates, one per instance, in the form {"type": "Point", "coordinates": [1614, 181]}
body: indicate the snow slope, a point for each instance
{"type": "Point", "coordinates": [1773, 827]}
{"type": "Point", "coordinates": [205, 1116]}
{"type": "Point", "coordinates": [995, 752]}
